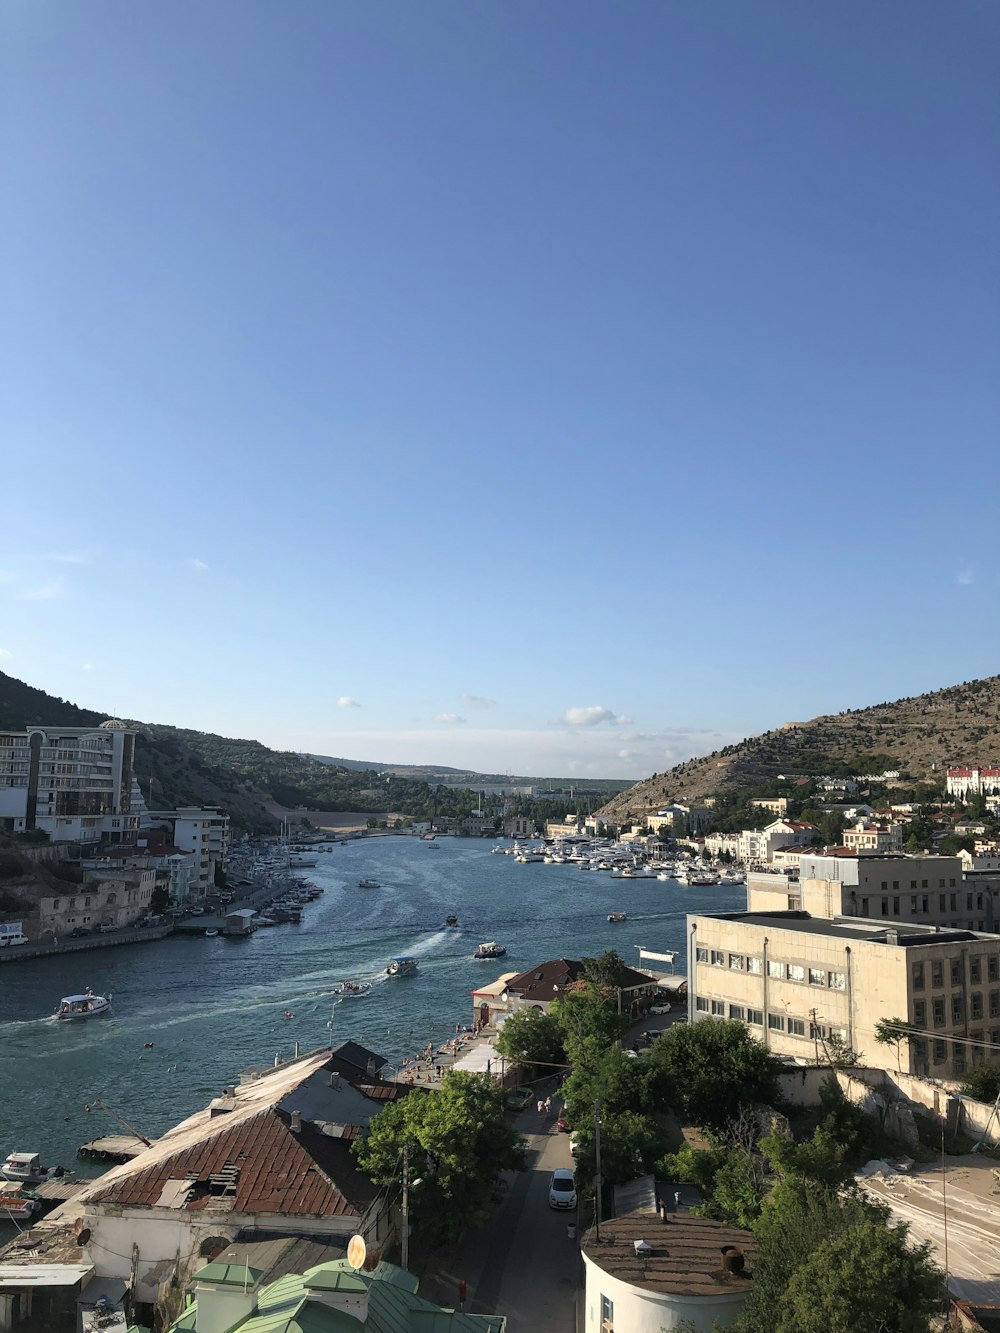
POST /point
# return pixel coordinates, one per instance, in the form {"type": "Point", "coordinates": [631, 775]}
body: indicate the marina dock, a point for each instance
{"type": "Point", "coordinates": [113, 1148]}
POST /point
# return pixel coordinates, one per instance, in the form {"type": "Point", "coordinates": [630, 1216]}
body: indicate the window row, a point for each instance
{"type": "Point", "coordinates": [795, 1027]}
{"type": "Point", "coordinates": [956, 971]}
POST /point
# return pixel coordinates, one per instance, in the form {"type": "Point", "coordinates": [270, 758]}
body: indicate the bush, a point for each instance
{"type": "Point", "coordinates": [982, 1082]}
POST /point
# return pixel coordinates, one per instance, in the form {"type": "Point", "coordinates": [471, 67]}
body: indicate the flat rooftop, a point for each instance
{"type": "Point", "coordinates": [907, 934]}
{"type": "Point", "coordinates": [685, 1254]}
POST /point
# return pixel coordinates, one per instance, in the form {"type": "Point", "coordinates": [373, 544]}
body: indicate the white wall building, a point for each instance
{"type": "Point", "coordinates": [203, 832]}
{"type": "Point", "coordinates": [966, 782]}
{"type": "Point", "coordinates": [757, 846]}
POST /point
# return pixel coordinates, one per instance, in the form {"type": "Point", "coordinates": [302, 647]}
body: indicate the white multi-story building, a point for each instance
{"type": "Point", "coordinates": [719, 843]}
{"type": "Point", "coordinates": [73, 783]}
{"type": "Point", "coordinates": [966, 782]}
{"type": "Point", "coordinates": [873, 837]}
{"type": "Point", "coordinates": [204, 832]}
{"type": "Point", "coordinates": [757, 846]}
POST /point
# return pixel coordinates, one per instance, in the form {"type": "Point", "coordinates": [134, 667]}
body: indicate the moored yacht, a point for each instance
{"type": "Point", "coordinates": [369, 884]}
{"type": "Point", "coordinates": [27, 1168]}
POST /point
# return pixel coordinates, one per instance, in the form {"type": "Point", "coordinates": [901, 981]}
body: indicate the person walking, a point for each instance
{"type": "Point", "coordinates": [541, 1106]}
{"type": "Point", "coordinates": [463, 1292]}
{"type": "Point", "coordinates": [548, 1105]}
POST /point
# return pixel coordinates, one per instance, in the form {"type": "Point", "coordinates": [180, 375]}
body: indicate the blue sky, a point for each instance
{"type": "Point", "coordinates": [550, 387]}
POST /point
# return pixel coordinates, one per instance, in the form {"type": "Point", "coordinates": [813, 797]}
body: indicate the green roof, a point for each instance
{"type": "Point", "coordinates": [295, 1304]}
{"type": "Point", "coordinates": [229, 1275]}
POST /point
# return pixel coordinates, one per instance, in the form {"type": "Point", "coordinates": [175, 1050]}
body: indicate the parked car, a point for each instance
{"type": "Point", "coordinates": [562, 1189]}
{"type": "Point", "coordinates": [662, 1008]}
{"type": "Point", "coordinates": [78, 932]}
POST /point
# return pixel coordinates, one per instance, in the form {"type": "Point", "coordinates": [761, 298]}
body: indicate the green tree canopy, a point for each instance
{"type": "Point", "coordinates": [588, 1011]}
{"type": "Point", "coordinates": [533, 1037]}
{"type": "Point", "coordinates": [865, 1281]}
{"type": "Point", "coordinates": [460, 1141]}
{"type": "Point", "coordinates": [708, 1070]}
{"type": "Point", "coordinates": [606, 1076]}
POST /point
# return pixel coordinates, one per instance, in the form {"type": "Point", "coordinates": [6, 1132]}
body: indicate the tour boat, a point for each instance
{"type": "Point", "coordinates": [15, 1205]}
{"type": "Point", "coordinates": [87, 1005]}
{"type": "Point", "coordinates": [26, 1167]}
{"type": "Point", "coordinates": [403, 966]}
{"type": "Point", "coordinates": [490, 950]}
{"type": "Point", "coordinates": [451, 922]}
{"type": "Point", "coordinates": [617, 916]}
{"type": "Point", "coordinates": [355, 990]}
{"type": "Point", "coordinates": [369, 884]}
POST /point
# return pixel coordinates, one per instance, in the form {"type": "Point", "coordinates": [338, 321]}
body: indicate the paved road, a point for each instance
{"type": "Point", "coordinates": [522, 1263]}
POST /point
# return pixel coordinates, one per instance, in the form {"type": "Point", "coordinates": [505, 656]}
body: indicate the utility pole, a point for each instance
{"type": "Point", "coordinates": [406, 1206]}
{"type": "Point", "coordinates": [597, 1178]}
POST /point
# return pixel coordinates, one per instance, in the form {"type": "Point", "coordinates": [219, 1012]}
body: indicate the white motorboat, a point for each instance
{"type": "Point", "coordinates": [490, 950]}
{"type": "Point", "coordinates": [369, 884]}
{"type": "Point", "coordinates": [617, 916]}
{"type": "Point", "coordinates": [302, 862]}
{"type": "Point", "coordinates": [15, 1205]}
{"type": "Point", "coordinates": [211, 933]}
{"type": "Point", "coordinates": [403, 966]}
{"type": "Point", "coordinates": [353, 990]}
{"type": "Point", "coordinates": [87, 1005]}
{"type": "Point", "coordinates": [451, 921]}
{"type": "Point", "coordinates": [27, 1168]}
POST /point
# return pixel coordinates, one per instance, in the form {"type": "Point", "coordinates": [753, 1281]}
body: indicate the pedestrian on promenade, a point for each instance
{"type": "Point", "coordinates": [548, 1105]}
{"type": "Point", "coordinates": [541, 1106]}
{"type": "Point", "coordinates": [463, 1292]}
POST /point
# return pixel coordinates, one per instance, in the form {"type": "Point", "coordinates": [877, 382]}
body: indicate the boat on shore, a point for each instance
{"type": "Point", "coordinates": [15, 1204]}
{"type": "Point", "coordinates": [353, 990]}
{"type": "Point", "coordinates": [490, 950]}
{"type": "Point", "coordinates": [87, 1005]}
{"type": "Point", "coordinates": [27, 1168]}
{"type": "Point", "coordinates": [369, 884]}
{"type": "Point", "coordinates": [403, 966]}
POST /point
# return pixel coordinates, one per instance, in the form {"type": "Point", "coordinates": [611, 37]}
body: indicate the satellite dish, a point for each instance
{"type": "Point", "coordinates": [356, 1252]}
{"type": "Point", "coordinates": [83, 1236]}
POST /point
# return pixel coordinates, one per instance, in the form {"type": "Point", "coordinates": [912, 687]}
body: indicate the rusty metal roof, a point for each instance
{"type": "Point", "coordinates": [258, 1165]}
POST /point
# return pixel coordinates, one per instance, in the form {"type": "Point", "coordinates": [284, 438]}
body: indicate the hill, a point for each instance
{"type": "Point", "coordinates": [920, 736]}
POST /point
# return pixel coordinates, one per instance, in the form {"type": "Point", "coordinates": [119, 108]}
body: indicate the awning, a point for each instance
{"type": "Point", "coordinates": [43, 1275]}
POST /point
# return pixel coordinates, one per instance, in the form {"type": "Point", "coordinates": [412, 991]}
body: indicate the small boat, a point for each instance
{"type": "Point", "coordinates": [451, 922]}
{"type": "Point", "coordinates": [404, 966]}
{"type": "Point", "coordinates": [490, 950]}
{"type": "Point", "coordinates": [26, 1167]}
{"type": "Point", "coordinates": [369, 884]}
{"type": "Point", "coordinates": [87, 1005]}
{"type": "Point", "coordinates": [355, 990]}
{"type": "Point", "coordinates": [211, 933]}
{"type": "Point", "coordinates": [15, 1204]}
{"type": "Point", "coordinates": [302, 862]}
{"type": "Point", "coordinates": [617, 916]}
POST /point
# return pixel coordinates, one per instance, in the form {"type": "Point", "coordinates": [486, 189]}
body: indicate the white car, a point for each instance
{"type": "Point", "coordinates": [663, 1008]}
{"type": "Point", "coordinates": [562, 1190]}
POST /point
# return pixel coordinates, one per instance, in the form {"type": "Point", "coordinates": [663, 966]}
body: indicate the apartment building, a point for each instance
{"type": "Point", "coordinates": [720, 843]}
{"type": "Point", "coordinates": [203, 832]}
{"type": "Point", "coordinates": [73, 783]}
{"type": "Point", "coordinates": [757, 846]}
{"type": "Point", "coordinates": [966, 782]}
{"type": "Point", "coordinates": [796, 980]}
{"type": "Point", "coordinates": [112, 896]}
{"type": "Point", "coordinates": [873, 837]}
{"type": "Point", "coordinates": [775, 805]}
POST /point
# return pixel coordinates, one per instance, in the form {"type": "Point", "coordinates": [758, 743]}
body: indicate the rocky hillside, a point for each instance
{"type": "Point", "coordinates": [920, 736]}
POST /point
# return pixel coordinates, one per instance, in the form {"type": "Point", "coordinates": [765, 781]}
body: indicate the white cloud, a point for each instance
{"type": "Point", "coordinates": [593, 717]}
{"type": "Point", "coordinates": [477, 700]}
{"type": "Point", "coordinates": [345, 701]}
{"type": "Point", "coordinates": [87, 666]}
{"type": "Point", "coordinates": [44, 592]}
{"type": "Point", "coordinates": [449, 718]}
{"type": "Point", "coordinates": [5, 652]}
{"type": "Point", "coordinates": [965, 576]}
{"type": "Point", "coordinates": [200, 565]}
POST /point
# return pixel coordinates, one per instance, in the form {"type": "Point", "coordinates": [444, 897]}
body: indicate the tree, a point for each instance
{"type": "Point", "coordinates": [588, 1011]}
{"type": "Point", "coordinates": [606, 972]}
{"type": "Point", "coordinates": [460, 1141]}
{"type": "Point", "coordinates": [865, 1279]}
{"type": "Point", "coordinates": [159, 900]}
{"type": "Point", "coordinates": [893, 1032]}
{"type": "Point", "coordinates": [606, 1076]}
{"type": "Point", "coordinates": [533, 1037]}
{"type": "Point", "coordinates": [709, 1069]}
{"type": "Point", "coordinates": [981, 1082]}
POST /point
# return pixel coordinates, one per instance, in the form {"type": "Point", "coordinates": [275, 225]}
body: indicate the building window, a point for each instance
{"type": "Point", "coordinates": [701, 954]}
{"type": "Point", "coordinates": [796, 972]}
{"type": "Point", "coordinates": [817, 977]}
{"type": "Point", "coordinates": [796, 1027]}
{"type": "Point", "coordinates": [895, 906]}
{"type": "Point", "coordinates": [736, 962]}
{"type": "Point", "coordinates": [942, 901]}
{"type": "Point", "coordinates": [895, 883]}
{"type": "Point", "coordinates": [937, 973]}
{"type": "Point", "coordinates": [864, 906]}
{"type": "Point", "coordinates": [755, 966]}
{"type": "Point", "coordinates": [940, 1052]}
{"type": "Point", "coordinates": [718, 958]}
{"type": "Point", "coordinates": [885, 906]}
{"type": "Point", "coordinates": [995, 1004]}
{"type": "Point", "coordinates": [956, 971]}
{"type": "Point", "coordinates": [737, 1011]}
{"type": "Point", "coordinates": [701, 1004]}
{"type": "Point", "coordinates": [938, 1010]}
{"type": "Point", "coordinates": [837, 980]}
{"type": "Point", "coordinates": [718, 1009]}
{"type": "Point", "coordinates": [776, 1022]}
{"type": "Point", "coordinates": [776, 970]}
{"type": "Point", "coordinates": [976, 1002]}
{"type": "Point", "coordinates": [975, 967]}
{"type": "Point", "coordinates": [953, 900]}
{"type": "Point", "coordinates": [993, 968]}
{"type": "Point", "coordinates": [918, 976]}
{"type": "Point", "coordinates": [913, 903]}
{"type": "Point", "coordinates": [920, 1013]}
{"type": "Point", "coordinates": [924, 901]}
{"type": "Point", "coordinates": [607, 1315]}
{"type": "Point", "coordinates": [957, 1009]}
{"type": "Point", "coordinates": [755, 1017]}
{"type": "Point", "coordinates": [817, 1031]}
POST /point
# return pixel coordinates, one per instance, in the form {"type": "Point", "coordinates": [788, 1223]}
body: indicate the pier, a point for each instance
{"type": "Point", "coordinates": [113, 1148]}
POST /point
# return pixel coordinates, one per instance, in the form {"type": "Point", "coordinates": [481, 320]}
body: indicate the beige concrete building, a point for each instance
{"type": "Point", "coordinates": [109, 897]}
{"type": "Point", "coordinates": [797, 979]}
{"type": "Point", "coordinates": [778, 805]}
{"type": "Point", "coordinates": [873, 837]}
